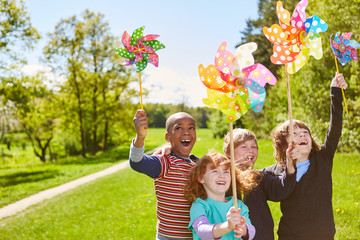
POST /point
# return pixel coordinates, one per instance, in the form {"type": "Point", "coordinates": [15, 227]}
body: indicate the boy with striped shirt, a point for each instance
{"type": "Point", "coordinates": [169, 172]}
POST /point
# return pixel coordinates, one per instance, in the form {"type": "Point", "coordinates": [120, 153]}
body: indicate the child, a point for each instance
{"type": "Point", "coordinates": [307, 212]}
{"type": "Point", "coordinates": [212, 215]}
{"type": "Point", "coordinates": [273, 188]}
{"type": "Point", "coordinates": [169, 172]}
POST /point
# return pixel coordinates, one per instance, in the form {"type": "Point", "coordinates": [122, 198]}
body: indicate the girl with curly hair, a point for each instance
{"type": "Point", "coordinates": [212, 214]}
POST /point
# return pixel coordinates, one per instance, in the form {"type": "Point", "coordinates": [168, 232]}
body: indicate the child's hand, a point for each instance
{"type": "Point", "coordinates": [339, 81]}
{"type": "Point", "coordinates": [141, 124]}
{"type": "Point", "coordinates": [291, 157]}
{"type": "Point", "coordinates": [292, 153]}
{"type": "Point", "coordinates": [241, 229]}
{"type": "Point", "coordinates": [164, 150]}
{"type": "Point", "coordinates": [233, 218]}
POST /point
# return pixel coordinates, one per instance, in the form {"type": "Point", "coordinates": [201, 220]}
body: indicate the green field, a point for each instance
{"type": "Point", "coordinates": [122, 205]}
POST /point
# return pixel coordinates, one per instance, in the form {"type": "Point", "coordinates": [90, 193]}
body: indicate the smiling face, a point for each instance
{"type": "Point", "coordinates": [246, 154]}
{"type": "Point", "coordinates": [181, 134]}
{"type": "Point", "coordinates": [302, 140]}
{"type": "Point", "coordinates": [216, 181]}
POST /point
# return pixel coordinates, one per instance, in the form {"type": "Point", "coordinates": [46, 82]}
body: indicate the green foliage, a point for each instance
{"type": "Point", "coordinates": [310, 87]}
{"type": "Point", "coordinates": [34, 107]}
{"type": "Point", "coordinates": [95, 98]}
{"type": "Point", "coordinates": [17, 32]}
{"type": "Point", "coordinates": [217, 124]}
{"type": "Point", "coordinates": [157, 114]}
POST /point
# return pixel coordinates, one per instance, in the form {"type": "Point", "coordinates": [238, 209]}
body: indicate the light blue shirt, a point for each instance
{"type": "Point", "coordinates": [302, 168]}
{"type": "Point", "coordinates": [216, 213]}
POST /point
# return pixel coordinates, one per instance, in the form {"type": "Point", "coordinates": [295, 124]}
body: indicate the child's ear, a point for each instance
{"type": "Point", "coordinates": [201, 180]}
{"type": "Point", "coordinates": [167, 137]}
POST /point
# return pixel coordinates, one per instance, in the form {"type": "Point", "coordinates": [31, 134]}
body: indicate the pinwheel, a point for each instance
{"type": "Point", "coordinates": [239, 76]}
{"type": "Point", "coordinates": [139, 50]}
{"type": "Point", "coordinates": [235, 84]}
{"type": "Point", "coordinates": [296, 38]}
{"type": "Point", "coordinates": [344, 50]}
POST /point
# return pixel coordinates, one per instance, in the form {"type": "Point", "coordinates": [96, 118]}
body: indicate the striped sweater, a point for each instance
{"type": "Point", "coordinates": [170, 174]}
{"type": "Point", "coordinates": [172, 208]}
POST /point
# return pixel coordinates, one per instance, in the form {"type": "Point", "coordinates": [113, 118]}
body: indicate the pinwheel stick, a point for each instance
{"type": "Point", "coordinates": [337, 69]}
{"type": "Point", "coordinates": [289, 106]}
{"type": "Point", "coordinates": [233, 177]}
{"type": "Point", "coordinates": [141, 100]}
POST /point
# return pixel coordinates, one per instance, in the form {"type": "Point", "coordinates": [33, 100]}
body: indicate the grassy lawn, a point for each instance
{"type": "Point", "coordinates": [22, 174]}
{"type": "Point", "coordinates": [122, 205]}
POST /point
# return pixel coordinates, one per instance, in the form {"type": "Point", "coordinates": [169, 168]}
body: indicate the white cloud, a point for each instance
{"type": "Point", "coordinates": [45, 71]}
{"type": "Point", "coordinates": [169, 86]}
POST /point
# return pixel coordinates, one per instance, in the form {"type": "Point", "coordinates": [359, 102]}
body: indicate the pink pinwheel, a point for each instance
{"type": "Point", "coordinates": [236, 83]}
{"type": "Point", "coordinates": [297, 38]}
{"type": "Point", "coordinates": [343, 48]}
{"type": "Point", "coordinates": [139, 50]}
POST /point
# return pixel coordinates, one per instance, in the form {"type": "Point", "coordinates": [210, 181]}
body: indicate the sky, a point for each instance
{"type": "Point", "coordinates": [191, 30]}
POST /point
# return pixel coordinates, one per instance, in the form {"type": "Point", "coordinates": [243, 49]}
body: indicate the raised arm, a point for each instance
{"type": "Point", "coordinates": [141, 126]}
{"type": "Point", "coordinates": [149, 165]}
{"type": "Point", "coordinates": [336, 116]}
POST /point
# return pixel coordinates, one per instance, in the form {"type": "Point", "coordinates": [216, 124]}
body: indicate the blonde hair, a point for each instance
{"type": "Point", "coordinates": [240, 136]}
{"type": "Point", "coordinates": [280, 144]}
{"type": "Point", "coordinates": [246, 181]}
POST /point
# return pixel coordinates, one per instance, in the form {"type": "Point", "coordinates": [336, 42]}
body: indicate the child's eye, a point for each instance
{"type": "Point", "coordinates": [192, 128]}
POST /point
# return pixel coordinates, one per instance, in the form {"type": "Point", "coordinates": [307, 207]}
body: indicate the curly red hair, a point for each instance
{"type": "Point", "coordinates": [245, 180]}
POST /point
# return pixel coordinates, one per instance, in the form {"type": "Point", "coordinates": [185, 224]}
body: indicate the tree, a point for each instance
{"type": "Point", "coordinates": [310, 85]}
{"type": "Point", "coordinates": [96, 87]}
{"type": "Point", "coordinates": [16, 30]}
{"type": "Point", "coordinates": [64, 52]}
{"type": "Point", "coordinates": [34, 108]}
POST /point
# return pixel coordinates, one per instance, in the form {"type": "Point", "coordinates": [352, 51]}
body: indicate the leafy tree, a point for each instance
{"type": "Point", "coordinates": [96, 87]}
{"type": "Point", "coordinates": [16, 30]}
{"type": "Point", "coordinates": [310, 86]}
{"type": "Point", "coordinates": [64, 52]}
{"type": "Point", "coordinates": [34, 108]}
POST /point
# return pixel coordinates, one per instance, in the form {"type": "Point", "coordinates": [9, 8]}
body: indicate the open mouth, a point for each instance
{"type": "Point", "coordinates": [185, 143]}
{"type": "Point", "coordinates": [303, 142]}
{"type": "Point", "coordinates": [220, 182]}
{"type": "Point", "coordinates": [248, 158]}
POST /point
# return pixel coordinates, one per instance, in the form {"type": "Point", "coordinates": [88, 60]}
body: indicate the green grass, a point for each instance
{"type": "Point", "coordinates": [122, 205]}
{"type": "Point", "coordinates": [22, 174]}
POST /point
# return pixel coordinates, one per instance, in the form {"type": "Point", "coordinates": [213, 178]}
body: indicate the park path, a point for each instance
{"type": "Point", "coordinates": [22, 204]}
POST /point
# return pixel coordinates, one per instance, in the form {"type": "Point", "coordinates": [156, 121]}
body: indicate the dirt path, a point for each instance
{"type": "Point", "coordinates": [22, 204]}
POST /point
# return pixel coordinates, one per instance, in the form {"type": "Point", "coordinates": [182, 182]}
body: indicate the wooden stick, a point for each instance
{"type": "Point", "coordinates": [337, 69]}
{"type": "Point", "coordinates": [142, 107]}
{"type": "Point", "coordinates": [289, 106]}
{"type": "Point", "coordinates": [233, 177]}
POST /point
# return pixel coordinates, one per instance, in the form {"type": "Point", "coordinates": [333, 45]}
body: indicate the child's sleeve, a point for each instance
{"type": "Point", "coordinates": [336, 116]}
{"type": "Point", "coordinates": [245, 213]}
{"type": "Point", "coordinates": [199, 221]}
{"type": "Point", "coordinates": [149, 165]}
{"type": "Point", "coordinates": [277, 188]}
